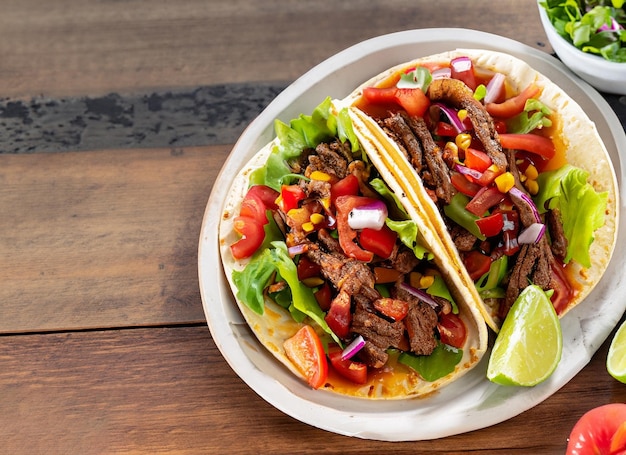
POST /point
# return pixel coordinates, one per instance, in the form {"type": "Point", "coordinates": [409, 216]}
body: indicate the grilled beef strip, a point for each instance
{"type": "Point", "coordinates": [379, 334]}
{"type": "Point", "coordinates": [421, 322]}
{"type": "Point", "coordinates": [460, 96]}
{"type": "Point", "coordinates": [557, 235]}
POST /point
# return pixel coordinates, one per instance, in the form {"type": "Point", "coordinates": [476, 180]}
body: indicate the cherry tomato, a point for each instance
{"type": "Point", "coordinates": [305, 350]}
{"type": "Point", "coordinates": [353, 371]}
{"type": "Point", "coordinates": [476, 263]}
{"type": "Point", "coordinates": [393, 308]}
{"type": "Point", "coordinates": [477, 160]}
{"type": "Point", "coordinates": [533, 143]}
{"type": "Point", "coordinates": [252, 233]}
{"type": "Point", "coordinates": [257, 201]}
{"type": "Point", "coordinates": [452, 330]}
{"type": "Point", "coordinates": [379, 242]}
{"type": "Point", "coordinates": [266, 194]}
{"type": "Point", "coordinates": [347, 235]}
{"type": "Point", "coordinates": [339, 316]}
{"type": "Point", "coordinates": [514, 105]}
{"type": "Point", "coordinates": [601, 430]}
{"type": "Point", "coordinates": [491, 225]}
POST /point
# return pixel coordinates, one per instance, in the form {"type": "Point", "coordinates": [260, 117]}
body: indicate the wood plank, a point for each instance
{"type": "Point", "coordinates": [103, 238]}
{"type": "Point", "coordinates": [169, 391]}
{"type": "Point", "coordinates": [124, 46]}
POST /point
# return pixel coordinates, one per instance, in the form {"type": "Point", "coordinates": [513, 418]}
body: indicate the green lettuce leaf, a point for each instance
{"type": "Point", "coordinates": [582, 209]}
{"type": "Point", "coordinates": [431, 367]}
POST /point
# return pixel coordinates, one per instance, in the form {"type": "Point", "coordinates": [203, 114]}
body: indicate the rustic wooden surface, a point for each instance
{"type": "Point", "coordinates": [115, 119]}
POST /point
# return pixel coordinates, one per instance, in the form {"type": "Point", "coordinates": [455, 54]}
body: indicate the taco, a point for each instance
{"type": "Point", "coordinates": [506, 168]}
{"type": "Point", "coordinates": [327, 261]}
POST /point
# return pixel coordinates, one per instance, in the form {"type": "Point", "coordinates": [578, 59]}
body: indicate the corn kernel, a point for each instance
{"type": "Point", "coordinates": [451, 151]}
{"type": "Point", "coordinates": [531, 172]}
{"type": "Point", "coordinates": [505, 182]}
{"type": "Point", "coordinates": [317, 218]}
{"type": "Point", "coordinates": [462, 114]}
{"type": "Point", "coordinates": [463, 141]}
{"type": "Point", "coordinates": [532, 186]}
{"type": "Point", "coordinates": [325, 202]}
{"type": "Point", "coordinates": [308, 226]}
{"type": "Point", "coordinates": [319, 175]}
{"type": "Point", "coordinates": [426, 281]}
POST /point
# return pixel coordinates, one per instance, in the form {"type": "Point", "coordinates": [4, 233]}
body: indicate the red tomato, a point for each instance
{"type": "Point", "coordinates": [290, 196]}
{"type": "Point", "coordinates": [305, 350]}
{"type": "Point", "coordinates": [491, 225]}
{"type": "Point", "coordinates": [601, 430]}
{"type": "Point", "coordinates": [460, 182]}
{"type": "Point", "coordinates": [476, 263]}
{"type": "Point", "coordinates": [379, 242]}
{"type": "Point", "coordinates": [353, 371]}
{"type": "Point", "coordinates": [394, 308]}
{"type": "Point", "coordinates": [324, 296]}
{"type": "Point", "coordinates": [339, 316]}
{"type": "Point", "coordinates": [452, 330]}
{"type": "Point", "coordinates": [347, 235]}
{"type": "Point", "coordinates": [347, 186]}
{"type": "Point", "coordinates": [307, 268]}
{"type": "Point", "coordinates": [510, 229]}
{"type": "Point", "coordinates": [477, 160]}
{"type": "Point", "coordinates": [533, 143]}
{"type": "Point", "coordinates": [266, 194]}
{"type": "Point", "coordinates": [563, 292]}
{"type": "Point", "coordinates": [413, 100]}
{"type": "Point", "coordinates": [489, 176]}
{"type": "Point", "coordinates": [252, 233]}
{"type": "Point", "coordinates": [486, 198]}
{"type": "Point", "coordinates": [514, 105]}
{"type": "Point", "coordinates": [377, 95]}
{"type": "Point", "coordinates": [445, 129]}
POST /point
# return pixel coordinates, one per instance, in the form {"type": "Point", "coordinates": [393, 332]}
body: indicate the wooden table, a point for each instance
{"type": "Point", "coordinates": [115, 118]}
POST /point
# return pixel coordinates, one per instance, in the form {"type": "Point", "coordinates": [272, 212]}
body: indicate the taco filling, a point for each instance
{"type": "Point", "coordinates": [324, 237]}
{"type": "Point", "coordinates": [492, 161]}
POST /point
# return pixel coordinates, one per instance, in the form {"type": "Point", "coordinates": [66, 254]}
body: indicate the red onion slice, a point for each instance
{"type": "Point", "coordinates": [468, 171]}
{"type": "Point", "coordinates": [371, 216]}
{"type": "Point", "coordinates": [516, 192]}
{"type": "Point", "coordinates": [452, 116]}
{"type": "Point", "coordinates": [442, 73]}
{"type": "Point", "coordinates": [423, 296]}
{"type": "Point", "coordinates": [494, 87]}
{"type": "Point", "coordinates": [354, 347]}
{"type": "Point", "coordinates": [532, 234]}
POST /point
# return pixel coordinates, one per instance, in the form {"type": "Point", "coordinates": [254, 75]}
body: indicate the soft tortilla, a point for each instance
{"type": "Point", "coordinates": [276, 325]}
{"type": "Point", "coordinates": [583, 148]}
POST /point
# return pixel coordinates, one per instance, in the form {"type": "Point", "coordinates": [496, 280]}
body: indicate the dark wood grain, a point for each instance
{"type": "Point", "coordinates": [168, 390]}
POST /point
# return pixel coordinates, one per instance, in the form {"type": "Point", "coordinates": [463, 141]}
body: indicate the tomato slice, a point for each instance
{"type": "Point", "coordinates": [324, 296]}
{"type": "Point", "coordinates": [452, 330]}
{"type": "Point", "coordinates": [252, 233]}
{"type": "Point", "coordinates": [353, 371]}
{"type": "Point", "coordinates": [598, 431]}
{"type": "Point", "coordinates": [413, 101]}
{"type": "Point", "coordinates": [491, 225]}
{"type": "Point", "coordinates": [290, 197]}
{"type": "Point", "coordinates": [379, 242]}
{"type": "Point", "coordinates": [514, 105]}
{"type": "Point", "coordinates": [305, 350]}
{"type": "Point", "coordinates": [339, 315]}
{"type": "Point", "coordinates": [445, 129]}
{"type": "Point", "coordinates": [477, 160]}
{"type": "Point", "coordinates": [563, 292]}
{"type": "Point", "coordinates": [393, 308]}
{"type": "Point", "coordinates": [257, 201]}
{"type": "Point", "coordinates": [463, 185]}
{"type": "Point", "coordinates": [307, 268]}
{"type": "Point", "coordinates": [486, 198]}
{"type": "Point", "coordinates": [539, 145]}
{"type": "Point", "coordinates": [380, 95]}
{"type": "Point", "coordinates": [476, 263]}
{"type": "Point", "coordinates": [266, 194]}
{"type": "Point", "coordinates": [347, 235]}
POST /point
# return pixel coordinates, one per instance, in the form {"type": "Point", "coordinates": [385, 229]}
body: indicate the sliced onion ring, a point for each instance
{"type": "Point", "coordinates": [523, 196]}
{"type": "Point", "coordinates": [423, 296]}
{"type": "Point", "coordinates": [371, 216]}
{"type": "Point", "coordinates": [354, 347]}
{"type": "Point", "coordinates": [468, 171]}
{"type": "Point", "coordinates": [442, 73]}
{"type": "Point", "coordinates": [532, 234]}
{"type": "Point", "coordinates": [452, 116]}
{"type": "Point", "coordinates": [494, 87]}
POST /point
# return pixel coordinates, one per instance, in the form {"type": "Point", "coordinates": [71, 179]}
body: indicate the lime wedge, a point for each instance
{"type": "Point", "coordinates": [616, 360]}
{"type": "Point", "coordinates": [529, 344]}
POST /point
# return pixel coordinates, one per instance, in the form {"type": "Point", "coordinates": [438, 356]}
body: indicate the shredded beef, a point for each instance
{"type": "Point", "coordinates": [421, 322]}
{"type": "Point", "coordinates": [403, 134]}
{"type": "Point", "coordinates": [458, 94]}
{"type": "Point", "coordinates": [372, 355]}
{"type": "Point", "coordinates": [463, 239]}
{"type": "Point", "coordinates": [402, 259]}
{"type": "Point", "coordinates": [557, 235]}
{"type": "Point", "coordinates": [375, 329]}
{"type": "Point", "coordinates": [328, 158]}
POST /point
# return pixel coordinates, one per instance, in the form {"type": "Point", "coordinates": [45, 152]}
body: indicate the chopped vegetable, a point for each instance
{"type": "Point", "coordinates": [354, 347]}
{"type": "Point", "coordinates": [305, 350]}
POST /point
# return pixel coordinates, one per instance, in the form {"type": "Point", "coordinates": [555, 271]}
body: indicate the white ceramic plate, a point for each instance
{"type": "Point", "coordinates": [471, 402]}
